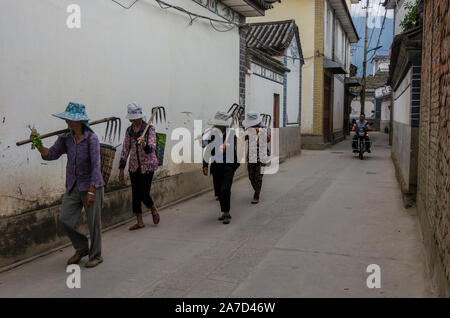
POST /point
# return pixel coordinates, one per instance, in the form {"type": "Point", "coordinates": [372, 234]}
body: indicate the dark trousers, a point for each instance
{"type": "Point", "coordinates": [141, 184]}
{"type": "Point", "coordinates": [216, 183]}
{"type": "Point", "coordinates": [223, 174]}
{"type": "Point", "coordinates": [255, 176]}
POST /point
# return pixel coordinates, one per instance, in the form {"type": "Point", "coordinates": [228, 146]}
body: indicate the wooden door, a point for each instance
{"type": "Point", "coordinates": [276, 110]}
{"type": "Point", "coordinates": [326, 108]}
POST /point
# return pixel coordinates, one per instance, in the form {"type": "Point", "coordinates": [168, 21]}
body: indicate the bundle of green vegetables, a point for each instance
{"type": "Point", "coordinates": [36, 142]}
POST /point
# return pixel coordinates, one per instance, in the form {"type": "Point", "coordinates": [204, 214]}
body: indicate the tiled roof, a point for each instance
{"type": "Point", "coordinates": [375, 81]}
{"type": "Point", "coordinates": [272, 37]}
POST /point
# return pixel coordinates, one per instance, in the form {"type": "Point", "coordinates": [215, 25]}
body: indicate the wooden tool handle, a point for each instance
{"type": "Point", "coordinates": [149, 123]}
{"type": "Point", "coordinates": [63, 131]}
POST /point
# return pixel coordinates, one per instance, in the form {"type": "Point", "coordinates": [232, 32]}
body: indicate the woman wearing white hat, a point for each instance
{"type": "Point", "coordinates": [222, 168]}
{"type": "Point", "coordinates": [142, 165]}
{"type": "Point", "coordinates": [253, 120]}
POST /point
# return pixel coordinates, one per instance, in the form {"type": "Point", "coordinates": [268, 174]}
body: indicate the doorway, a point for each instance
{"type": "Point", "coordinates": [326, 108]}
{"type": "Point", "coordinates": [276, 110]}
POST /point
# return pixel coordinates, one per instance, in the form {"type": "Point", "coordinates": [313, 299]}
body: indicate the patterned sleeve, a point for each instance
{"type": "Point", "coordinates": [151, 140]}
{"type": "Point", "coordinates": [96, 171]}
{"type": "Point", "coordinates": [57, 150]}
{"type": "Point", "coordinates": [125, 151]}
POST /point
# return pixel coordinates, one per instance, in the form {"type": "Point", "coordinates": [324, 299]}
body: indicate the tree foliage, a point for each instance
{"type": "Point", "coordinates": [411, 17]}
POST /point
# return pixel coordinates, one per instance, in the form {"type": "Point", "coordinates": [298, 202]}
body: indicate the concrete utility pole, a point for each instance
{"type": "Point", "coordinates": [363, 88]}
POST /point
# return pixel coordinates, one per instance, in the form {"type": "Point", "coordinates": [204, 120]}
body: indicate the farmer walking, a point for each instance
{"type": "Point", "coordinates": [84, 182]}
{"type": "Point", "coordinates": [254, 131]}
{"type": "Point", "coordinates": [142, 165]}
{"type": "Point", "coordinates": [222, 167]}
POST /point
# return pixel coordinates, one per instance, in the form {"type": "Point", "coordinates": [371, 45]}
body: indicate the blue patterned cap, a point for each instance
{"type": "Point", "coordinates": [74, 112]}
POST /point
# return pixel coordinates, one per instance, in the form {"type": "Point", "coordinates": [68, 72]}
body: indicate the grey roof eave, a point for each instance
{"type": "Point", "coordinates": [267, 60]}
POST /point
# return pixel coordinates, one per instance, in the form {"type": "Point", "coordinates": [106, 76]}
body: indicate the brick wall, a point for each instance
{"type": "Point", "coordinates": [319, 7]}
{"type": "Point", "coordinates": [434, 142]}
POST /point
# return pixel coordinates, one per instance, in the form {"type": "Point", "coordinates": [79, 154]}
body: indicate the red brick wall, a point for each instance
{"type": "Point", "coordinates": [434, 141]}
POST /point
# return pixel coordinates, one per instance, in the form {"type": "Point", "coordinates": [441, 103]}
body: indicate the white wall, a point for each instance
{"type": "Point", "coordinates": [260, 95]}
{"type": "Point", "coordinates": [399, 13]}
{"type": "Point", "coordinates": [307, 122]}
{"type": "Point", "coordinates": [369, 107]}
{"type": "Point", "coordinates": [402, 101]}
{"type": "Point", "coordinates": [144, 54]}
{"type": "Point", "coordinates": [385, 110]}
{"type": "Point", "coordinates": [328, 30]}
{"type": "Point", "coordinates": [293, 84]}
{"type": "Point", "coordinates": [338, 103]}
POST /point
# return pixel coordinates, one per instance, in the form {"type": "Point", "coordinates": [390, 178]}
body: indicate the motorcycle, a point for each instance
{"type": "Point", "coordinates": [362, 142]}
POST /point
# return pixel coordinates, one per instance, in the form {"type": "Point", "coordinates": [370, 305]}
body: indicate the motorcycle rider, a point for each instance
{"type": "Point", "coordinates": [361, 123]}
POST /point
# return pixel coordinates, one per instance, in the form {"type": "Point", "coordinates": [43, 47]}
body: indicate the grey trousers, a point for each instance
{"type": "Point", "coordinates": [72, 205]}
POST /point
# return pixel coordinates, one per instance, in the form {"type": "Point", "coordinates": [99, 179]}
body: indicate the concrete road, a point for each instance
{"type": "Point", "coordinates": [322, 220]}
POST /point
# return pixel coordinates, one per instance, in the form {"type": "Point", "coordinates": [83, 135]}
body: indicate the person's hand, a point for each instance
{"type": "Point", "coordinates": [121, 176]}
{"type": "Point", "coordinates": [90, 199]}
{"type": "Point", "coordinates": [33, 133]}
{"type": "Point", "coordinates": [141, 141]}
{"type": "Point", "coordinates": [205, 171]}
{"type": "Point", "coordinates": [223, 147]}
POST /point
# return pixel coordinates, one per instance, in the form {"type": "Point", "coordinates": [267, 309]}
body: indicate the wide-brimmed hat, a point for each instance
{"type": "Point", "coordinates": [252, 118]}
{"type": "Point", "coordinates": [74, 112]}
{"type": "Point", "coordinates": [220, 119]}
{"type": "Point", "coordinates": [134, 111]}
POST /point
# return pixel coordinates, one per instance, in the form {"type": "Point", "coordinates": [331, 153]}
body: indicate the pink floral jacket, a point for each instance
{"type": "Point", "coordinates": [145, 158]}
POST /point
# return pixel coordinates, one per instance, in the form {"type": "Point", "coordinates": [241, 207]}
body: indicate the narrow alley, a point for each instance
{"type": "Point", "coordinates": [322, 220]}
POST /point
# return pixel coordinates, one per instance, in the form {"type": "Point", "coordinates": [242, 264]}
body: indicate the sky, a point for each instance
{"type": "Point", "coordinates": [358, 10]}
{"type": "Point", "coordinates": [375, 21]}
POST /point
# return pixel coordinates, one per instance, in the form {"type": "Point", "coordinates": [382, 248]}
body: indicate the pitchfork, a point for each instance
{"type": "Point", "coordinates": [115, 122]}
{"type": "Point", "coordinates": [158, 113]}
{"type": "Point", "coordinates": [267, 119]}
{"type": "Point", "coordinates": [236, 112]}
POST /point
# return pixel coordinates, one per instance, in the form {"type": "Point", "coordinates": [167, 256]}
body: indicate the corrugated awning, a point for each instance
{"type": "Point", "coordinates": [351, 81]}
{"type": "Point", "coordinates": [333, 67]}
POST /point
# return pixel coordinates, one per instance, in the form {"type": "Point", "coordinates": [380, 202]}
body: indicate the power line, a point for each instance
{"type": "Point", "coordinates": [379, 35]}
{"type": "Point", "coordinates": [125, 6]}
{"type": "Point", "coordinates": [373, 28]}
{"type": "Point", "coordinates": [192, 16]}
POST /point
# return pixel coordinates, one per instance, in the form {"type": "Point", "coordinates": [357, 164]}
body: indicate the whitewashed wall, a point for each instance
{"type": "Point", "coordinates": [144, 54]}
{"type": "Point", "coordinates": [369, 108]}
{"type": "Point", "coordinates": [338, 103]}
{"type": "Point", "coordinates": [402, 101]}
{"type": "Point", "coordinates": [307, 121]}
{"type": "Point", "coordinates": [260, 94]}
{"type": "Point", "coordinates": [293, 84]}
{"type": "Point", "coordinates": [399, 14]}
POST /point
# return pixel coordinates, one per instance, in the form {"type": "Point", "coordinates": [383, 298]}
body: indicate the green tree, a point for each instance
{"type": "Point", "coordinates": [411, 17]}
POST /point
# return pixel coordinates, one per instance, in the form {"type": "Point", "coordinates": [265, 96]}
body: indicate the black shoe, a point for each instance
{"type": "Point", "coordinates": [220, 218]}
{"type": "Point", "coordinates": [226, 219]}
{"type": "Point", "coordinates": [369, 151]}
